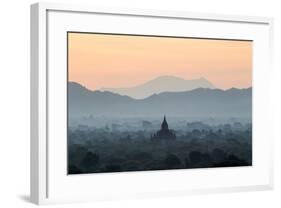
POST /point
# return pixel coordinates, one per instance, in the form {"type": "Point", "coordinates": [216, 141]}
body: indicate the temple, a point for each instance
{"type": "Point", "coordinates": [164, 134]}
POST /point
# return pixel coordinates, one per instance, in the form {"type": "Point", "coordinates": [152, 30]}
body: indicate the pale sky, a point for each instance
{"type": "Point", "coordinates": [115, 61]}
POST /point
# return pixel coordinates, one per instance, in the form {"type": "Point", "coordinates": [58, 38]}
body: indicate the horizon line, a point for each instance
{"type": "Point", "coordinates": [157, 77]}
{"type": "Point", "coordinates": [224, 90]}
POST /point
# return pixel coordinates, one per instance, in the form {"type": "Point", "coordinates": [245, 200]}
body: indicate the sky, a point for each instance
{"type": "Point", "coordinates": [116, 61]}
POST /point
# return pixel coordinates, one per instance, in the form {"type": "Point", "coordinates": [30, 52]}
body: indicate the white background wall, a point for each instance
{"type": "Point", "coordinates": [14, 103]}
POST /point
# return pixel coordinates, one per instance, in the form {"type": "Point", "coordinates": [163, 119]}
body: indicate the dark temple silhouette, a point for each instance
{"type": "Point", "coordinates": [164, 134]}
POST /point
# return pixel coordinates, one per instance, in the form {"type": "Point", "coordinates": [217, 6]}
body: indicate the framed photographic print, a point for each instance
{"type": "Point", "coordinates": [136, 103]}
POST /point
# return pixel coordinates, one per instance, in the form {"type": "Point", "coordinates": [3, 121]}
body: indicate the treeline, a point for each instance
{"type": "Point", "coordinates": [101, 150]}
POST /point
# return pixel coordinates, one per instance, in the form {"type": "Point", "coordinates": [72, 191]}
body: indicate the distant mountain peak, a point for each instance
{"type": "Point", "coordinates": [77, 87]}
{"type": "Point", "coordinates": [203, 78]}
{"type": "Point", "coordinates": [165, 83]}
{"type": "Point", "coordinates": [167, 77]}
{"type": "Point", "coordinates": [71, 83]}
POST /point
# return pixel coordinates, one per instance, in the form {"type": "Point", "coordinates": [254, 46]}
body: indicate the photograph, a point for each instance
{"type": "Point", "coordinates": [152, 103]}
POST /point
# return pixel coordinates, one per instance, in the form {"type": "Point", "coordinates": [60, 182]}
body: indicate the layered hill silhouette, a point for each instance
{"type": "Point", "coordinates": [161, 84]}
{"type": "Point", "coordinates": [203, 102]}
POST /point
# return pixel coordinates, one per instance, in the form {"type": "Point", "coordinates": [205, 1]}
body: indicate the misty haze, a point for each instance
{"type": "Point", "coordinates": [202, 128]}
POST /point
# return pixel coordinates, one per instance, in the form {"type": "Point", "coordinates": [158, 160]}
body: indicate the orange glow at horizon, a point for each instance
{"type": "Point", "coordinates": [115, 61]}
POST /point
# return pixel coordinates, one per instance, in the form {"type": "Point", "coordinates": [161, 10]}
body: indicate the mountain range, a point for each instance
{"type": "Point", "coordinates": [161, 84]}
{"type": "Point", "coordinates": [201, 102]}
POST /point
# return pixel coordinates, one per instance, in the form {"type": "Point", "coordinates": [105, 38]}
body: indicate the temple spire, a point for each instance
{"type": "Point", "coordinates": [164, 125]}
{"type": "Point", "coordinates": [164, 134]}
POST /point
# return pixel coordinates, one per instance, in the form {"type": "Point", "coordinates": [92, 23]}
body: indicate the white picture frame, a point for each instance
{"type": "Point", "coordinates": [49, 180]}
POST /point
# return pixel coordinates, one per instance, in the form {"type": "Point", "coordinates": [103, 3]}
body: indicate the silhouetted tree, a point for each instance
{"type": "Point", "coordinates": [218, 155]}
{"type": "Point", "coordinates": [112, 168]}
{"type": "Point", "coordinates": [90, 161]}
{"type": "Point", "coordinates": [232, 161]}
{"type": "Point", "coordinates": [172, 161]}
{"type": "Point", "coordinates": [187, 162]}
{"type": "Point", "coordinates": [195, 157]}
{"type": "Point", "coordinates": [72, 169]}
